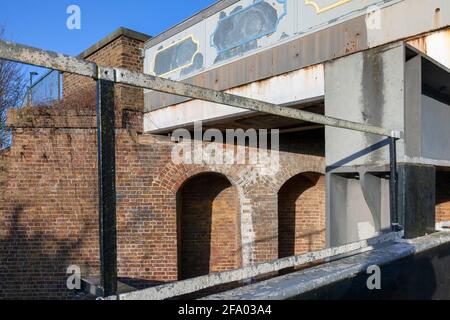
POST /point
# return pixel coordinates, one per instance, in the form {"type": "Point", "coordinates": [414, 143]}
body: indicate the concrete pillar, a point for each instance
{"type": "Point", "coordinates": [417, 199]}
{"type": "Point", "coordinates": [366, 87]}
{"type": "Point", "coordinates": [397, 88]}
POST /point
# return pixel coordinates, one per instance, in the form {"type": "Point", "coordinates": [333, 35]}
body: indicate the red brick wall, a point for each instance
{"type": "Point", "coordinates": [208, 216]}
{"type": "Point", "coordinates": [49, 197]}
{"type": "Point", "coordinates": [124, 52]}
{"type": "Point", "coordinates": [49, 215]}
{"type": "Point", "coordinates": [301, 215]}
{"type": "Point", "coordinates": [442, 196]}
{"type": "Point", "coordinates": [46, 208]}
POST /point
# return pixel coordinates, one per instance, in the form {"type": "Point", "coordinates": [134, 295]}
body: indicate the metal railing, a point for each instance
{"type": "Point", "coordinates": [106, 77]}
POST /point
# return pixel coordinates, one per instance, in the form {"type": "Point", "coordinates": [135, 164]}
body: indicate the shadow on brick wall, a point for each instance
{"type": "Point", "coordinates": [34, 266]}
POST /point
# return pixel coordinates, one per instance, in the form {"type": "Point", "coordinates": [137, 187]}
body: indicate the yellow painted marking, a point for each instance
{"type": "Point", "coordinates": [320, 10]}
{"type": "Point", "coordinates": [172, 45]}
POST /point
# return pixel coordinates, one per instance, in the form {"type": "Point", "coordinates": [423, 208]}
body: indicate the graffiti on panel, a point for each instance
{"type": "Point", "coordinates": [183, 55]}
{"type": "Point", "coordinates": [239, 31]}
{"type": "Point", "coordinates": [242, 28]}
{"type": "Point", "coordinates": [322, 6]}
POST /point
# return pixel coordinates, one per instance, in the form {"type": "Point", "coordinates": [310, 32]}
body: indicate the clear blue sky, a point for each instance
{"type": "Point", "coordinates": [42, 23]}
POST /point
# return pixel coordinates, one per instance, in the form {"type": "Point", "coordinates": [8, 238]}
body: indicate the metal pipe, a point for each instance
{"type": "Point", "coordinates": [107, 186]}
{"type": "Point", "coordinates": [393, 185]}
{"type": "Point", "coordinates": [30, 90]}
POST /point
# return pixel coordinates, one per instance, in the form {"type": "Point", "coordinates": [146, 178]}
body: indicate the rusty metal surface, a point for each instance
{"type": "Point", "coordinates": [345, 38]}
{"type": "Point", "coordinates": [350, 36]}
{"type": "Point", "coordinates": [294, 89]}
{"type": "Point", "coordinates": [436, 45]}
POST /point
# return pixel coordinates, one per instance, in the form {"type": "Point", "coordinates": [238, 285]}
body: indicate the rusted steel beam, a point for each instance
{"type": "Point", "coordinates": [37, 57]}
{"type": "Point", "coordinates": [187, 90]}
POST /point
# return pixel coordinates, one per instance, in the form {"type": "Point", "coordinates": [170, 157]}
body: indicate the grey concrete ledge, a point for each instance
{"type": "Point", "coordinates": [113, 36]}
{"type": "Point", "coordinates": [295, 284]}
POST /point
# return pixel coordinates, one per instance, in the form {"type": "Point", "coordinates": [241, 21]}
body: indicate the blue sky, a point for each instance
{"type": "Point", "coordinates": [42, 23]}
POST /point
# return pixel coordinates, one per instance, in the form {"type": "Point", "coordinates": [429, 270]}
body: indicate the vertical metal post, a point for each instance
{"type": "Point", "coordinates": [393, 184]}
{"type": "Point", "coordinates": [59, 85]}
{"type": "Point", "coordinates": [107, 186]}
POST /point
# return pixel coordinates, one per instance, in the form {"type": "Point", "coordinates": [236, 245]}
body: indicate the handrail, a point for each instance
{"type": "Point", "coordinates": [57, 61]}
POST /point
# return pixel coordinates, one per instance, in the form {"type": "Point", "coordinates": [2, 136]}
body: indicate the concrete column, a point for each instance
{"type": "Point", "coordinates": [366, 87]}
{"type": "Point", "coordinates": [417, 199]}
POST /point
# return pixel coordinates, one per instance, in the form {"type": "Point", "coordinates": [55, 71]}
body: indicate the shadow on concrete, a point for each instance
{"type": "Point", "coordinates": [358, 154]}
{"type": "Point", "coordinates": [418, 277]}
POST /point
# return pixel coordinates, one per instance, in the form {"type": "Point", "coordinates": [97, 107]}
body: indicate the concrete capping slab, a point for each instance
{"type": "Point", "coordinates": [197, 284]}
{"type": "Point", "coordinates": [91, 286]}
{"type": "Point", "coordinates": [113, 36]}
{"type": "Point", "coordinates": [298, 283]}
{"type": "Point", "coordinates": [443, 226]}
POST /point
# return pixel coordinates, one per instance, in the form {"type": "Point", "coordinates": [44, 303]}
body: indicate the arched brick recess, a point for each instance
{"type": "Point", "coordinates": [208, 226]}
{"type": "Point", "coordinates": [301, 215]}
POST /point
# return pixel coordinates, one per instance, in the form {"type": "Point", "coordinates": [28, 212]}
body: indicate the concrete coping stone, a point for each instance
{"type": "Point", "coordinates": [295, 284]}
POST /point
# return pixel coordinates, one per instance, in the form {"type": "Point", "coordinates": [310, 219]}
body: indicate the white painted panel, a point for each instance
{"type": "Point", "coordinates": [249, 26]}
{"type": "Point", "coordinates": [291, 87]}
{"type": "Point", "coordinates": [316, 13]}
{"type": "Point", "coordinates": [435, 129]}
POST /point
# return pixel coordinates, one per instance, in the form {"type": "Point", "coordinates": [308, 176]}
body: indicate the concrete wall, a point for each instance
{"type": "Point", "coordinates": [427, 113]}
{"type": "Point", "coordinates": [367, 88]}
{"type": "Point", "coordinates": [435, 129]}
{"type": "Point", "coordinates": [418, 277]}
{"type": "Point", "coordinates": [390, 87]}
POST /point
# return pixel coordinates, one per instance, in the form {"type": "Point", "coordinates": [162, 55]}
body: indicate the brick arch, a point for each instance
{"type": "Point", "coordinates": [301, 214]}
{"type": "Point", "coordinates": [290, 171]}
{"type": "Point", "coordinates": [208, 225]}
{"type": "Point", "coordinates": [172, 177]}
